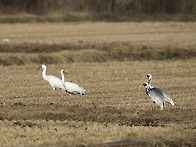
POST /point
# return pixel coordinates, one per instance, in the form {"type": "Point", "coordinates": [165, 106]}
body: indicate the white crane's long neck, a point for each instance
{"type": "Point", "coordinates": [44, 74]}
{"type": "Point", "coordinates": [63, 77]}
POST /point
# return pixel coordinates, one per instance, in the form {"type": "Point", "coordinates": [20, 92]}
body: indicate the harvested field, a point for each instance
{"type": "Point", "coordinates": [51, 43]}
{"type": "Point", "coordinates": [115, 106]}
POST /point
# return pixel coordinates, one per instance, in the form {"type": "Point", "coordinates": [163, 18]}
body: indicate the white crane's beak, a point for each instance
{"type": "Point", "coordinates": [38, 69]}
{"type": "Point", "coordinates": [64, 72]}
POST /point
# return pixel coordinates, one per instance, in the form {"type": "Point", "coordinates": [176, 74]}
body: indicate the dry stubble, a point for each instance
{"type": "Point", "coordinates": [115, 106]}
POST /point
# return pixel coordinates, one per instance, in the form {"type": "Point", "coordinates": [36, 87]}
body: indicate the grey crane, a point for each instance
{"type": "Point", "coordinates": [166, 97]}
{"type": "Point", "coordinates": [157, 95]}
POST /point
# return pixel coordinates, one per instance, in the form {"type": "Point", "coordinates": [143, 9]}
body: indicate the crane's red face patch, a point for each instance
{"type": "Point", "coordinates": [144, 84]}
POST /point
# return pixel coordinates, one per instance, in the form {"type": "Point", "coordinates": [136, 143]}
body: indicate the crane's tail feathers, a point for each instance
{"type": "Point", "coordinates": [172, 103]}
{"type": "Point", "coordinates": [82, 91]}
{"type": "Point", "coordinates": [169, 100]}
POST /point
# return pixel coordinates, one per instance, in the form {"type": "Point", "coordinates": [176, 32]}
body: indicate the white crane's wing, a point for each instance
{"type": "Point", "coordinates": [74, 88]}
{"type": "Point", "coordinates": [55, 82]}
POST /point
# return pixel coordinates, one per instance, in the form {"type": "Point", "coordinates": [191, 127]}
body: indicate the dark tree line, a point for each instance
{"type": "Point", "coordinates": [120, 7]}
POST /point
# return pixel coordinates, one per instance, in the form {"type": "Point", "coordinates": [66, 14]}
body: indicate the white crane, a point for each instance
{"type": "Point", "coordinates": [72, 88]}
{"type": "Point", "coordinates": [54, 82]}
{"type": "Point", "coordinates": [167, 98]}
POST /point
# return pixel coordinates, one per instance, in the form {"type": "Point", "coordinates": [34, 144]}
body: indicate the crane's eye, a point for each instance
{"type": "Point", "coordinates": [145, 84]}
{"type": "Point", "coordinates": [148, 76]}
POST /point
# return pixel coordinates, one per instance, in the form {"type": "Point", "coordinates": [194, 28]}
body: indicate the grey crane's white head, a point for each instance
{"type": "Point", "coordinates": [149, 76]}
{"type": "Point", "coordinates": [145, 84]}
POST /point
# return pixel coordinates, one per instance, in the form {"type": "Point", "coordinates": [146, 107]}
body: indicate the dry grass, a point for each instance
{"type": "Point", "coordinates": [95, 42]}
{"type": "Point", "coordinates": [142, 34]}
{"type": "Point", "coordinates": [115, 106]}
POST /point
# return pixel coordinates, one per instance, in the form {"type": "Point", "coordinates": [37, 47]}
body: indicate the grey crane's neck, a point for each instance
{"type": "Point", "coordinates": [148, 88]}
{"type": "Point", "coordinates": [149, 81]}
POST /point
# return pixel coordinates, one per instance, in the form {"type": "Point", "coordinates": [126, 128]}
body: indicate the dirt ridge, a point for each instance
{"type": "Point", "coordinates": [39, 54]}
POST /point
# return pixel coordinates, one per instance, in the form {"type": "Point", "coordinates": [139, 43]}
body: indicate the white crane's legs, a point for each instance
{"type": "Point", "coordinates": [71, 99]}
{"type": "Point", "coordinates": [55, 98]}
